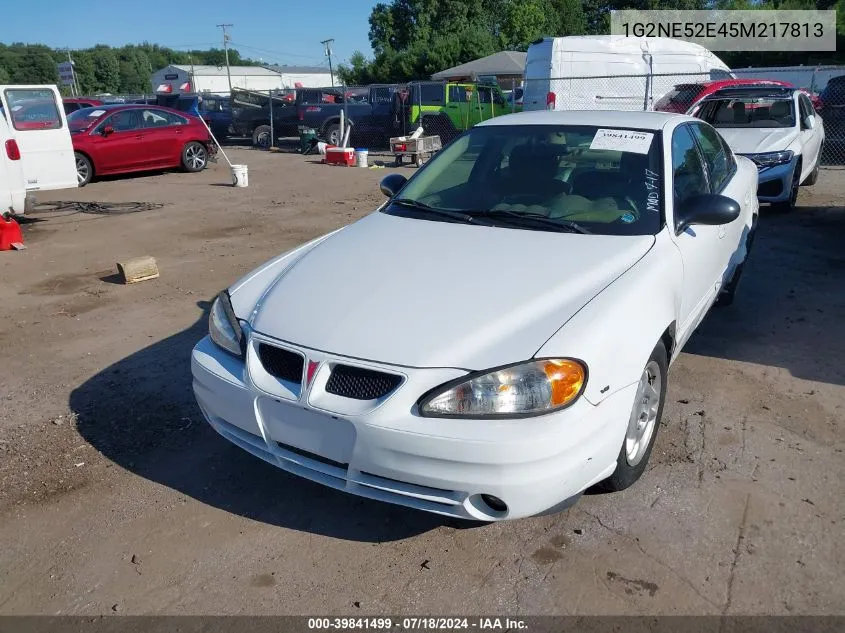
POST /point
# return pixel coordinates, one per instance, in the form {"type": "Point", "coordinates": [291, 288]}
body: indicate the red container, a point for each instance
{"type": "Point", "coordinates": [340, 156]}
{"type": "Point", "coordinates": [10, 233]}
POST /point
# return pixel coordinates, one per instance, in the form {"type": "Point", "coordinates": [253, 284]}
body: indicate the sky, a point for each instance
{"type": "Point", "coordinates": [280, 31]}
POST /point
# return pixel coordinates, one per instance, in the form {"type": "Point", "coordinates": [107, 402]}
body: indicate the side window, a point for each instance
{"type": "Point", "coordinates": [154, 118]}
{"type": "Point", "coordinates": [71, 107]}
{"type": "Point", "coordinates": [33, 109]}
{"type": "Point", "coordinates": [806, 109]}
{"type": "Point", "coordinates": [716, 157]}
{"type": "Point", "coordinates": [688, 171]}
{"type": "Point", "coordinates": [123, 121]}
{"type": "Point", "coordinates": [431, 94]}
{"type": "Point", "coordinates": [457, 94]}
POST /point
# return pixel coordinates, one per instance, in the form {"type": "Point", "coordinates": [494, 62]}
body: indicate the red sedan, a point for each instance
{"type": "Point", "coordinates": [683, 96]}
{"type": "Point", "coordinates": [117, 139]}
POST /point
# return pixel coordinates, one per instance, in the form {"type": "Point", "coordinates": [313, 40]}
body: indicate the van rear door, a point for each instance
{"type": "Point", "coordinates": [37, 121]}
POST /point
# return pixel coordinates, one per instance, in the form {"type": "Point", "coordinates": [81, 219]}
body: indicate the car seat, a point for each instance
{"type": "Point", "coordinates": [781, 112]}
{"type": "Point", "coordinates": [532, 172]}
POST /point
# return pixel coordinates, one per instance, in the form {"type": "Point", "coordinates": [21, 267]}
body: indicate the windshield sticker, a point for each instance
{"type": "Point", "coordinates": [622, 141]}
{"type": "Point", "coordinates": [628, 218]}
{"type": "Point", "coordinates": [96, 113]}
{"type": "Point", "coordinates": [652, 186]}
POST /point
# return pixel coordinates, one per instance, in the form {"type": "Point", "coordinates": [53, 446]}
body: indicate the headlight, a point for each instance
{"type": "Point", "coordinates": [530, 388]}
{"type": "Point", "coordinates": [223, 326]}
{"type": "Point", "coordinates": [770, 159]}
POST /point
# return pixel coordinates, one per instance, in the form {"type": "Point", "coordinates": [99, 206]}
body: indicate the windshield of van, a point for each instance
{"type": "Point", "coordinates": [771, 112]}
{"type": "Point", "coordinates": [599, 180]}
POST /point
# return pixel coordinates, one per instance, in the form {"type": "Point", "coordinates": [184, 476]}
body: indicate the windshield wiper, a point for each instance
{"type": "Point", "coordinates": [515, 217]}
{"type": "Point", "coordinates": [422, 206]}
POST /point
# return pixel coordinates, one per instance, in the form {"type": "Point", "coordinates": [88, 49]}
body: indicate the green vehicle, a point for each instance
{"type": "Point", "coordinates": [447, 109]}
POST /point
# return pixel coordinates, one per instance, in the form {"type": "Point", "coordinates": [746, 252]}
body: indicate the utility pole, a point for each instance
{"type": "Point", "coordinates": [328, 46]}
{"type": "Point", "coordinates": [226, 48]}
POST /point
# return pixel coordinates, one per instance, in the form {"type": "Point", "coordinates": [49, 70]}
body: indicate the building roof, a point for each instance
{"type": "Point", "coordinates": [300, 70]}
{"type": "Point", "coordinates": [635, 119]}
{"type": "Point", "coordinates": [209, 70]}
{"type": "Point", "coordinates": [502, 63]}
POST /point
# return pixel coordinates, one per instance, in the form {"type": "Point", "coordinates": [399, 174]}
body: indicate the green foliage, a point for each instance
{"type": "Point", "coordinates": [412, 39]}
{"type": "Point", "coordinates": [103, 69]}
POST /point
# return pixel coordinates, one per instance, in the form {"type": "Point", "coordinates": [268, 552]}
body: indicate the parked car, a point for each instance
{"type": "Point", "coordinates": [117, 139]}
{"type": "Point", "coordinates": [446, 109]}
{"type": "Point", "coordinates": [72, 104]}
{"type": "Point", "coordinates": [831, 106]}
{"type": "Point", "coordinates": [605, 72]}
{"type": "Point", "coordinates": [683, 96]}
{"type": "Point", "coordinates": [774, 126]}
{"type": "Point", "coordinates": [38, 125]}
{"type": "Point", "coordinates": [369, 110]}
{"type": "Point", "coordinates": [213, 109]}
{"type": "Point", "coordinates": [503, 361]}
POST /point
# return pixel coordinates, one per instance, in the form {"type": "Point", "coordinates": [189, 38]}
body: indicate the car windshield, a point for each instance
{"type": "Point", "coordinates": [749, 112]}
{"type": "Point", "coordinates": [542, 177]}
{"type": "Point", "coordinates": [84, 118]}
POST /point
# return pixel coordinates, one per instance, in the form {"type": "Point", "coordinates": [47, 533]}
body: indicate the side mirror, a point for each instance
{"type": "Point", "coordinates": [108, 130]}
{"type": "Point", "coordinates": [707, 209]}
{"type": "Point", "coordinates": [391, 184]}
{"type": "Point", "coordinates": [809, 121]}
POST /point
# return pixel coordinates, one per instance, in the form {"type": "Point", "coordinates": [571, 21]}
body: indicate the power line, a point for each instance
{"type": "Point", "coordinates": [278, 53]}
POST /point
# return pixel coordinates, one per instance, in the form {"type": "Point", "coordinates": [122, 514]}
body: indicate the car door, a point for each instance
{"type": "Point", "coordinates": [163, 133]}
{"type": "Point", "coordinates": [703, 248]}
{"type": "Point", "coordinates": [45, 145]}
{"type": "Point", "coordinates": [811, 138]}
{"type": "Point", "coordinates": [117, 142]}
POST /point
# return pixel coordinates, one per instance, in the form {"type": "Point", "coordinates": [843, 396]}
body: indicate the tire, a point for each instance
{"type": "Point", "coordinates": [84, 169]}
{"type": "Point", "coordinates": [332, 134]}
{"type": "Point", "coordinates": [194, 157]}
{"type": "Point", "coordinates": [262, 137]}
{"type": "Point", "coordinates": [641, 432]}
{"type": "Point", "coordinates": [789, 205]}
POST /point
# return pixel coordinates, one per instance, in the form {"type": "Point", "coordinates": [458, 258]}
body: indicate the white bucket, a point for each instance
{"type": "Point", "coordinates": [240, 176]}
{"type": "Point", "coordinates": [361, 157]}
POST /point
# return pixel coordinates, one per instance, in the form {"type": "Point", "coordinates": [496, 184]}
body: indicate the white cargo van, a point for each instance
{"type": "Point", "coordinates": [607, 72]}
{"type": "Point", "coordinates": [33, 117]}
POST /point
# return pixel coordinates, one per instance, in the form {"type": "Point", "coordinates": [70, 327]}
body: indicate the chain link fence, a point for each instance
{"type": "Point", "coordinates": [823, 88]}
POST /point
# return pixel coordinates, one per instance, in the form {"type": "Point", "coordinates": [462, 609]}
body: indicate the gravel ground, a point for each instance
{"type": "Point", "coordinates": [116, 497]}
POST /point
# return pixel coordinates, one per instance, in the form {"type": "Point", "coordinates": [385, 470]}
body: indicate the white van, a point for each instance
{"type": "Point", "coordinates": [33, 117]}
{"type": "Point", "coordinates": [608, 72]}
{"type": "Point", "coordinates": [12, 184]}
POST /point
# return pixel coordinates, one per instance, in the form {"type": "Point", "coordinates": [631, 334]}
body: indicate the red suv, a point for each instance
{"type": "Point", "coordinates": [683, 96]}
{"type": "Point", "coordinates": [116, 139]}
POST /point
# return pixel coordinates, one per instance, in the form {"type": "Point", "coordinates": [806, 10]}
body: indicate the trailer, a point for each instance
{"type": "Point", "coordinates": [420, 149]}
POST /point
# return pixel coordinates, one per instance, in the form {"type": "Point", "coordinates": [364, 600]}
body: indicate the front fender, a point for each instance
{"type": "Point", "coordinates": [615, 333]}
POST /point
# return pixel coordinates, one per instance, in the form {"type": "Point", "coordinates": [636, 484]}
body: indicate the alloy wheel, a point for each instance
{"type": "Point", "coordinates": [644, 415]}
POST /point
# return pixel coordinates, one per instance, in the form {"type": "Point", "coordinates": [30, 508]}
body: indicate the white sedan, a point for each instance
{"type": "Point", "coordinates": [776, 127]}
{"type": "Point", "coordinates": [495, 338]}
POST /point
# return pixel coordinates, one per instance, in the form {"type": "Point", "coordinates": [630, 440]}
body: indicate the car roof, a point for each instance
{"type": "Point", "coordinates": [111, 107]}
{"type": "Point", "coordinates": [757, 92]}
{"type": "Point", "coordinates": [637, 119]}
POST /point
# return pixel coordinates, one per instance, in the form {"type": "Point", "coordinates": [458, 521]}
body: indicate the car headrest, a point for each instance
{"type": "Point", "coordinates": [739, 112]}
{"type": "Point", "coordinates": [535, 162]}
{"type": "Point", "coordinates": [780, 109]}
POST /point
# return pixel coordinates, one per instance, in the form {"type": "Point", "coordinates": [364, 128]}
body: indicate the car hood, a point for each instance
{"type": "Point", "coordinates": [758, 140]}
{"type": "Point", "coordinates": [421, 293]}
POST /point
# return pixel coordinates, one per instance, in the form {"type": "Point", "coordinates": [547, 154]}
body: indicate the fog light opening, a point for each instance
{"type": "Point", "coordinates": [495, 504]}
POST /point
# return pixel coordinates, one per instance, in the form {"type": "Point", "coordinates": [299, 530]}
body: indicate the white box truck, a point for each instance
{"type": "Point", "coordinates": [609, 72]}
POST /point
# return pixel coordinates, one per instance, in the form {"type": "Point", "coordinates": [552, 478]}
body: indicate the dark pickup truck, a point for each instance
{"type": "Point", "coordinates": [372, 111]}
{"type": "Point", "coordinates": [251, 114]}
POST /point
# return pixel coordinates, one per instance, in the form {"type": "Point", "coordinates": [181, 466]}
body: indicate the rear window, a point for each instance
{"type": "Point", "coordinates": [33, 109]}
{"type": "Point", "coordinates": [684, 95]}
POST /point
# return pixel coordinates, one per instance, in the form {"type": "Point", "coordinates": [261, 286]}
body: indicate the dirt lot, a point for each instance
{"type": "Point", "coordinates": [116, 497]}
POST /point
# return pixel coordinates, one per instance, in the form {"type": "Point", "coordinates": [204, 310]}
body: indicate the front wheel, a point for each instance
{"type": "Point", "coordinates": [84, 169]}
{"type": "Point", "coordinates": [643, 423]}
{"type": "Point", "coordinates": [332, 135]}
{"type": "Point", "coordinates": [194, 157]}
{"type": "Point", "coordinates": [789, 204]}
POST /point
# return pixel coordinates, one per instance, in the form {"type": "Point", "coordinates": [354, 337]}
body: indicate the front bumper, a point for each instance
{"type": "Point", "coordinates": [775, 183]}
{"type": "Point", "coordinates": [384, 450]}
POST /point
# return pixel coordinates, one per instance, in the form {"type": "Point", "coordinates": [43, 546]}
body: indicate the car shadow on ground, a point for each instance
{"type": "Point", "coordinates": [790, 303]}
{"type": "Point", "coordinates": [140, 413]}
